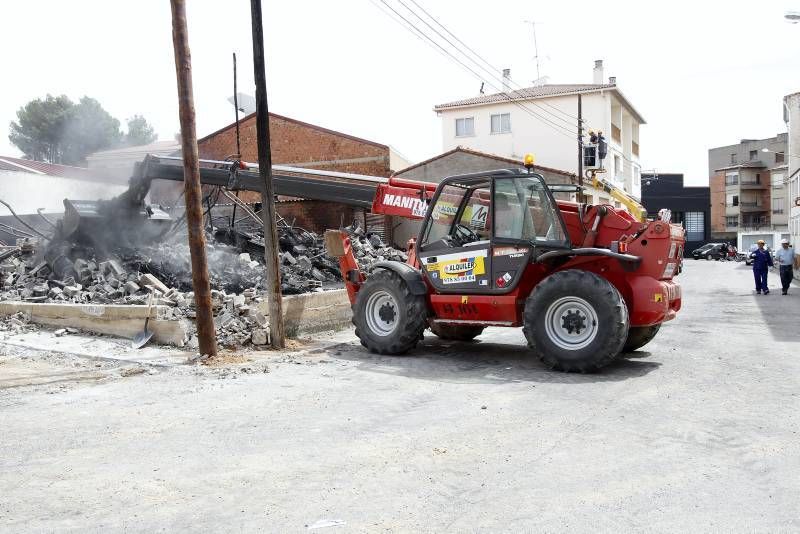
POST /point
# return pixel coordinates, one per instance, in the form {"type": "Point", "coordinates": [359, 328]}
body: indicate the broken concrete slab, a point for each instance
{"type": "Point", "coordinates": [148, 280]}
{"type": "Point", "coordinates": [123, 320]}
{"type": "Point", "coordinates": [309, 313]}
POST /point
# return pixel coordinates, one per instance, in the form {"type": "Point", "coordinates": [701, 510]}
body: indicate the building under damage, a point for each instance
{"type": "Point", "coordinates": [124, 249]}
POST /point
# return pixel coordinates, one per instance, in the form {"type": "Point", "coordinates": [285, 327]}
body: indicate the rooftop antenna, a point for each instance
{"type": "Point", "coordinates": [535, 47]}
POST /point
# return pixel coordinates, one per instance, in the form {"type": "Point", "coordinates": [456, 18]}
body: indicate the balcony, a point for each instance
{"type": "Point", "coordinates": [752, 184]}
{"type": "Point", "coordinates": [751, 206]}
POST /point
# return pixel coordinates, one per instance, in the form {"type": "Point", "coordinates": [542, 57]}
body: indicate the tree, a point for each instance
{"type": "Point", "coordinates": [39, 132]}
{"type": "Point", "coordinates": [90, 128]}
{"type": "Point", "coordinates": [139, 132]}
{"type": "Point", "coordinates": [56, 130]}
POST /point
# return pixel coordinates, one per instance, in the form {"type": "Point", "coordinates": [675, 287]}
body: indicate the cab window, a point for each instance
{"type": "Point", "coordinates": [525, 212]}
{"type": "Point", "coordinates": [460, 217]}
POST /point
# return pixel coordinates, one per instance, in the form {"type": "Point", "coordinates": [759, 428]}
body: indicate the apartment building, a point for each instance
{"type": "Point", "coordinates": [539, 119]}
{"type": "Point", "coordinates": [747, 187]}
{"type": "Point", "coordinates": [791, 115]}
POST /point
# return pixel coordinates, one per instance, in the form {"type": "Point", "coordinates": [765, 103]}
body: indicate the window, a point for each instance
{"type": "Point", "coordinates": [777, 180]}
{"type": "Point", "coordinates": [617, 165]}
{"type": "Point", "coordinates": [779, 158]}
{"type": "Point", "coordinates": [753, 155]}
{"type": "Point", "coordinates": [732, 221]}
{"type": "Point", "coordinates": [695, 226]}
{"type": "Point", "coordinates": [443, 213]}
{"type": "Point", "coordinates": [732, 178]}
{"type": "Point", "coordinates": [733, 200]}
{"type": "Point", "coordinates": [636, 176]}
{"type": "Point", "coordinates": [501, 123]}
{"type": "Point", "coordinates": [465, 127]}
{"type": "Point", "coordinates": [524, 211]}
{"type": "Point", "coordinates": [733, 159]}
{"type": "Point", "coordinates": [777, 205]}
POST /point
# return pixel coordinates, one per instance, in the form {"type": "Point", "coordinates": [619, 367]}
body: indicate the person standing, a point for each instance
{"type": "Point", "coordinates": [762, 261]}
{"type": "Point", "coordinates": [785, 257]}
{"type": "Point", "coordinates": [723, 252]}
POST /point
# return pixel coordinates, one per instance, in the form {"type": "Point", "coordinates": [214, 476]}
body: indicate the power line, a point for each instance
{"type": "Point", "coordinates": [491, 68]}
{"type": "Point", "coordinates": [421, 34]}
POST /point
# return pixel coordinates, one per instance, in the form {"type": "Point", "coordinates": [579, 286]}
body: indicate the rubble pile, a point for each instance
{"type": "Point", "coordinates": [19, 323]}
{"type": "Point", "coordinates": [369, 248]}
{"type": "Point", "coordinates": [40, 272]}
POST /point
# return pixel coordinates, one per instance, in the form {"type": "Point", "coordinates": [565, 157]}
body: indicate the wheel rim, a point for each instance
{"type": "Point", "coordinates": [571, 323]}
{"type": "Point", "coordinates": [382, 313]}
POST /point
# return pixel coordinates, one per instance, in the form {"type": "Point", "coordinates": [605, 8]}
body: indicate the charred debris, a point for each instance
{"type": "Point", "coordinates": [119, 251]}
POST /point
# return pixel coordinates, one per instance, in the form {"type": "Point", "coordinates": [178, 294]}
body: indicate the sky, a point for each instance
{"type": "Point", "coordinates": [703, 74]}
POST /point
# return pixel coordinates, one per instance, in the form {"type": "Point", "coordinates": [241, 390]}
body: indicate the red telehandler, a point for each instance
{"type": "Point", "coordinates": [585, 282]}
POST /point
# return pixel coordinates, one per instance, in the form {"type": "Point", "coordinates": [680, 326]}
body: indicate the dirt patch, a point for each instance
{"type": "Point", "coordinates": [226, 358]}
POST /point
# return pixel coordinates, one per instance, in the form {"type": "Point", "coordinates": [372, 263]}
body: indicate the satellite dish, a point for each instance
{"type": "Point", "coordinates": [247, 103]}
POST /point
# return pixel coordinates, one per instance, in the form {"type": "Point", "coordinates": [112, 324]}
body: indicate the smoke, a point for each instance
{"type": "Point", "coordinates": [27, 192]}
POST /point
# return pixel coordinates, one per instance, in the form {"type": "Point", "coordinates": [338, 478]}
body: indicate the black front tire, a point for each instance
{"type": "Point", "coordinates": [456, 332]}
{"type": "Point", "coordinates": [398, 317]}
{"type": "Point", "coordinates": [561, 310]}
{"type": "Point", "coordinates": [639, 336]}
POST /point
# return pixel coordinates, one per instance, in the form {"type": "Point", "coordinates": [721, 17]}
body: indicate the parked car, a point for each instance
{"type": "Point", "coordinates": [749, 261]}
{"type": "Point", "coordinates": [709, 251]}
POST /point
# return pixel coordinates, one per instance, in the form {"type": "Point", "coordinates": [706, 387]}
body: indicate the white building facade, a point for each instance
{"type": "Point", "coordinates": [791, 115]}
{"type": "Point", "coordinates": [548, 127]}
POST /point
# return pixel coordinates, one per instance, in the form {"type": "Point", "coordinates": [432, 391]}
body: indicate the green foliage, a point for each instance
{"type": "Point", "coordinates": [139, 132]}
{"type": "Point", "coordinates": [57, 130]}
{"type": "Point", "coordinates": [39, 132]}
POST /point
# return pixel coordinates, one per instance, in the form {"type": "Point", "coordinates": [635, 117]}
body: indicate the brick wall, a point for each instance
{"type": "Point", "coordinates": [317, 215]}
{"type": "Point", "coordinates": [295, 142]}
{"type": "Point", "coordinates": [717, 186]}
{"type": "Point", "coordinates": [304, 145]}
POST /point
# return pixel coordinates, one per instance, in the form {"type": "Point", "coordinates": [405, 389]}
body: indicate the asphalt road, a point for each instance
{"type": "Point", "coordinates": [699, 432]}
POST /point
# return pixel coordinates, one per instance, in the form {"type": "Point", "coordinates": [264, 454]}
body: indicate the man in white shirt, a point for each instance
{"type": "Point", "coordinates": [785, 258]}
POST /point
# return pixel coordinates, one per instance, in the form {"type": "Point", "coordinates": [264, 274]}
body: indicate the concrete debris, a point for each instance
{"type": "Point", "coordinates": [259, 337]}
{"type": "Point", "coordinates": [370, 248]}
{"type": "Point", "coordinates": [19, 323]}
{"type": "Point", "coordinates": [76, 272]}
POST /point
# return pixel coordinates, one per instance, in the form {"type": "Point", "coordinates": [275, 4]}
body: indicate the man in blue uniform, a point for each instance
{"type": "Point", "coordinates": [762, 261]}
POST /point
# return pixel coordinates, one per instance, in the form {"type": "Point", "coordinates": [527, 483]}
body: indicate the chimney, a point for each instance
{"type": "Point", "coordinates": [612, 80]}
{"type": "Point", "coordinates": [506, 80]}
{"type": "Point", "coordinates": [598, 71]}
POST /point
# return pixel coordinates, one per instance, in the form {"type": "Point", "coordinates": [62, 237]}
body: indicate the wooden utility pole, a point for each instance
{"type": "Point", "coordinates": [580, 195]}
{"type": "Point", "coordinates": [276, 330]}
{"type": "Point", "coordinates": [191, 179]}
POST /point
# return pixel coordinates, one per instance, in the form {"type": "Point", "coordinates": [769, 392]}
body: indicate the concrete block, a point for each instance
{"type": "Point", "coordinates": [71, 291]}
{"type": "Point", "coordinates": [121, 320]}
{"type": "Point", "coordinates": [259, 337]}
{"type": "Point", "coordinates": [131, 288]}
{"type": "Point", "coordinates": [148, 280]}
{"type": "Point", "coordinates": [314, 312]}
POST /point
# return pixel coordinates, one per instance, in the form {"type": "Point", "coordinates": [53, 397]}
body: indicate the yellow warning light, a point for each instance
{"type": "Point", "coordinates": [529, 160]}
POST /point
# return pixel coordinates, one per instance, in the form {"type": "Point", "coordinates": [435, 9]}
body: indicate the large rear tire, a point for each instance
{"type": "Point", "coordinates": [389, 319]}
{"type": "Point", "coordinates": [639, 336]}
{"type": "Point", "coordinates": [576, 321]}
{"type": "Point", "coordinates": [456, 332]}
